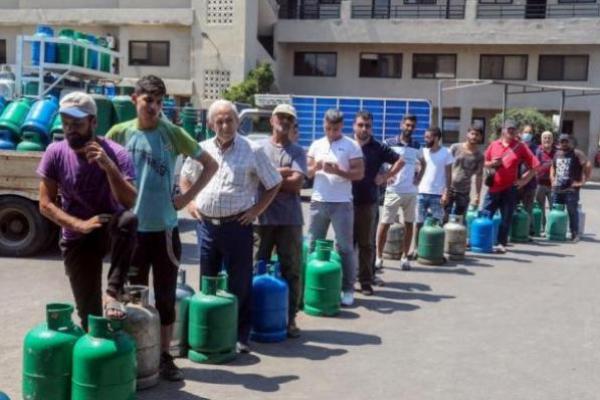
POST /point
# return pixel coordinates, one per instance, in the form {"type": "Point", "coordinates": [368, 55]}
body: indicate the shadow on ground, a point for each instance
{"type": "Point", "coordinates": [256, 382]}
{"type": "Point", "coordinates": [168, 390]}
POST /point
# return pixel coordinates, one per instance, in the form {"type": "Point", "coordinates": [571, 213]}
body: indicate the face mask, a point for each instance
{"type": "Point", "coordinates": [527, 137]}
{"type": "Point", "coordinates": [77, 142]}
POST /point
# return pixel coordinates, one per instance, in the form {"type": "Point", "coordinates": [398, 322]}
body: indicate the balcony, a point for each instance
{"type": "Point", "coordinates": [310, 11]}
{"type": "Point", "coordinates": [537, 11]}
{"type": "Point", "coordinates": [450, 10]}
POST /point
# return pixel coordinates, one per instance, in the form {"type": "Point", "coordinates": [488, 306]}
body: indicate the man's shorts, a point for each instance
{"type": "Point", "coordinates": [429, 204]}
{"type": "Point", "coordinates": [393, 202]}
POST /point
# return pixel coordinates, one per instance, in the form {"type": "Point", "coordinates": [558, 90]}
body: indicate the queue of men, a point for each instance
{"type": "Point", "coordinates": [118, 195]}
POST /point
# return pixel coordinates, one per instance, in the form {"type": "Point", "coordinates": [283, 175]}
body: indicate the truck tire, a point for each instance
{"type": "Point", "coordinates": [23, 230]}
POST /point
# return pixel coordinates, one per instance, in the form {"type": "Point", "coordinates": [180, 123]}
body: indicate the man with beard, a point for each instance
{"type": "Point", "coordinates": [468, 161]}
{"type": "Point", "coordinates": [436, 172]}
{"type": "Point", "coordinates": [365, 195]}
{"type": "Point", "coordinates": [154, 145]}
{"type": "Point", "coordinates": [402, 192]}
{"type": "Point", "coordinates": [94, 177]}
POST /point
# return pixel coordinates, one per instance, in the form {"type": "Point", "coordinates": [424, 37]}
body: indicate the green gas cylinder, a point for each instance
{"type": "Point", "coordinates": [537, 216]}
{"type": "Point", "coordinates": [212, 333]}
{"type": "Point", "coordinates": [556, 223]}
{"type": "Point", "coordinates": [64, 51]}
{"type": "Point", "coordinates": [124, 109]}
{"type": "Point", "coordinates": [31, 141]}
{"type": "Point", "coordinates": [431, 243]}
{"type": "Point", "coordinates": [104, 362]}
{"type": "Point", "coordinates": [14, 115]}
{"type": "Point", "coordinates": [323, 284]}
{"type": "Point", "coordinates": [48, 355]}
{"type": "Point", "coordinates": [519, 230]}
{"type": "Point", "coordinates": [104, 58]}
{"type": "Point", "coordinates": [78, 51]}
{"type": "Point", "coordinates": [325, 244]}
{"type": "Point", "coordinates": [104, 116]}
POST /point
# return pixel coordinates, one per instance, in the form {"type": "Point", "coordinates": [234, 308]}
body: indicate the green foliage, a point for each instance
{"type": "Point", "coordinates": [259, 80]}
{"type": "Point", "coordinates": [522, 117]}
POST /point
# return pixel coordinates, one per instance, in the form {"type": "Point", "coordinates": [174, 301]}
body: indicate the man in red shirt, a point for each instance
{"type": "Point", "coordinates": [504, 156]}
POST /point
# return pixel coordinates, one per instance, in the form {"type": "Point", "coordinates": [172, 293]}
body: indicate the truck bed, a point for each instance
{"type": "Point", "coordinates": [17, 173]}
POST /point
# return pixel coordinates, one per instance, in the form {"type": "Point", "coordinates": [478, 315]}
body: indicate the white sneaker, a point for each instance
{"type": "Point", "coordinates": [347, 298]}
{"type": "Point", "coordinates": [379, 263]}
{"type": "Point", "coordinates": [405, 263]}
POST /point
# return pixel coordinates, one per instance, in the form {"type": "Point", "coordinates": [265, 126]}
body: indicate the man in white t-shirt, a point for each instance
{"type": "Point", "coordinates": [436, 178]}
{"type": "Point", "coordinates": [335, 161]}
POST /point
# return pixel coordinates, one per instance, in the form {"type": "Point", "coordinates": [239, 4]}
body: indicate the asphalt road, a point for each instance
{"type": "Point", "coordinates": [525, 325]}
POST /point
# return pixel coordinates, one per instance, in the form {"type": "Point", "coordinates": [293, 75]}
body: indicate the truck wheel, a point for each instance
{"type": "Point", "coordinates": [23, 230]}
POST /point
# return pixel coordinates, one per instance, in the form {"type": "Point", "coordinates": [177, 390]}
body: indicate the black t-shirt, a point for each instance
{"type": "Point", "coordinates": [375, 155]}
{"type": "Point", "coordinates": [567, 168]}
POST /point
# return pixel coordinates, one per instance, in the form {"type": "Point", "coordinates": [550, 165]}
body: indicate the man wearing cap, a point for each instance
{"type": "Point", "coordinates": [280, 226]}
{"type": "Point", "coordinates": [94, 177]}
{"type": "Point", "coordinates": [502, 159]}
{"type": "Point", "coordinates": [569, 171]}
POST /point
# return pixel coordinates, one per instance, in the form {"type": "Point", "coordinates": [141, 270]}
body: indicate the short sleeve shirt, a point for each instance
{"type": "Point", "coordinates": [330, 187]}
{"type": "Point", "coordinates": [376, 155]}
{"type": "Point", "coordinates": [465, 165]}
{"type": "Point", "coordinates": [568, 168]}
{"type": "Point", "coordinates": [517, 153]}
{"type": "Point", "coordinates": [154, 153]}
{"type": "Point", "coordinates": [286, 208]}
{"type": "Point", "coordinates": [545, 158]}
{"type": "Point", "coordinates": [434, 177]}
{"type": "Point", "coordinates": [84, 187]}
{"type": "Point", "coordinates": [233, 188]}
{"type": "Point", "coordinates": [404, 182]}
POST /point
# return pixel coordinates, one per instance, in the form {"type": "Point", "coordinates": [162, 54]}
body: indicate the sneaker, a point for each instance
{"type": "Point", "coordinates": [168, 369]}
{"type": "Point", "coordinates": [405, 263]}
{"type": "Point", "coordinates": [347, 298]}
{"type": "Point", "coordinates": [378, 263]}
{"type": "Point", "coordinates": [366, 289]}
{"type": "Point", "coordinates": [500, 249]}
{"type": "Point", "coordinates": [575, 238]}
{"type": "Point", "coordinates": [292, 330]}
{"type": "Point", "coordinates": [377, 281]}
{"type": "Point", "coordinates": [242, 348]}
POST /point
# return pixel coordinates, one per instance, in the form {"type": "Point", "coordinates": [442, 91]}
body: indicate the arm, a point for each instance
{"type": "Point", "coordinates": [49, 209]}
{"type": "Point", "coordinates": [586, 169]}
{"type": "Point", "coordinates": [355, 173]}
{"type": "Point", "coordinates": [209, 167]}
{"type": "Point", "coordinates": [552, 174]}
{"type": "Point", "coordinates": [534, 165]}
{"type": "Point", "coordinates": [526, 177]}
{"type": "Point", "coordinates": [478, 186]}
{"type": "Point", "coordinates": [186, 185]}
{"type": "Point", "coordinates": [292, 180]}
{"type": "Point", "coordinates": [313, 166]}
{"type": "Point", "coordinates": [421, 172]}
{"type": "Point", "coordinates": [383, 177]}
{"type": "Point", "coordinates": [448, 173]}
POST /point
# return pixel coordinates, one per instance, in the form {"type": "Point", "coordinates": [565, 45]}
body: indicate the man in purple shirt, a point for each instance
{"type": "Point", "coordinates": [94, 178]}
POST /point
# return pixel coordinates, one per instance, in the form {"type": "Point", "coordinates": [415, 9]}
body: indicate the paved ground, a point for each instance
{"type": "Point", "coordinates": [521, 326]}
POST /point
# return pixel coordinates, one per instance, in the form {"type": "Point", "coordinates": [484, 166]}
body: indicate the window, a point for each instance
{"type": "Point", "coordinates": [576, 1]}
{"type": "Point", "coordinates": [315, 64]}
{"type": "Point", "coordinates": [420, 1]}
{"type": "Point", "coordinates": [563, 68]}
{"type": "Point", "coordinates": [513, 67]}
{"type": "Point", "coordinates": [495, 1]}
{"type": "Point", "coordinates": [2, 51]}
{"type": "Point", "coordinates": [567, 126]}
{"type": "Point", "coordinates": [373, 65]}
{"type": "Point", "coordinates": [434, 66]}
{"type": "Point", "coordinates": [149, 53]}
{"type": "Point", "coordinates": [450, 130]}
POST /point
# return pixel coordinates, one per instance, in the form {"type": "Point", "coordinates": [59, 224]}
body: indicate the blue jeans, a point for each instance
{"type": "Point", "coordinates": [429, 204]}
{"type": "Point", "coordinates": [341, 216]}
{"type": "Point", "coordinates": [230, 245]}
{"type": "Point", "coordinates": [570, 199]}
{"type": "Point", "coordinates": [505, 201]}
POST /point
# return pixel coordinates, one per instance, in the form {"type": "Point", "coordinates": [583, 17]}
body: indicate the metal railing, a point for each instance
{"type": "Point", "coordinates": [537, 11]}
{"type": "Point", "coordinates": [451, 10]}
{"type": "Point", "coordinates": [312, 11]}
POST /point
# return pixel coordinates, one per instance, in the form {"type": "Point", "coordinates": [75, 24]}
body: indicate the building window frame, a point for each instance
{"type": "Point", "coordinates": [420, 2]}
{"type": "Point", "coordinates": [147, 62]}
{"type": "Point", "coordinates": [577, 1]}
{"type": "Point", "coordinates": [398, 62]}
{"type": "Point", "coordinates": [564, 57]}
{"type": "Point", "coordinates": [298, 72]}
{"type": "Point", "coordinates": [495, 2]}
{"type": "Point", "coordinates": [481, 57]}
{"type": "Point", "coordinates": [3, 56]}
{"type": "Point", "coordinates": [436, 72]}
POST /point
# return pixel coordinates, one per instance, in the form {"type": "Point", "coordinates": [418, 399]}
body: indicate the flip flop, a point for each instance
{"type": "Point", "coordinates": [115, 305]}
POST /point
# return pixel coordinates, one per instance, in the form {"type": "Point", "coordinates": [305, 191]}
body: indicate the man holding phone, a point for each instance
{"type": "Point", "coordinates": [94, 177]}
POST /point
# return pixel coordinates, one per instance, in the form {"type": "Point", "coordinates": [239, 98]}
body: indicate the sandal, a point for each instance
{"type": "Point", "coordinates": [111, 306]}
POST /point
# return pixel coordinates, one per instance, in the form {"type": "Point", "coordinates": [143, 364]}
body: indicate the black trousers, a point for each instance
{"type": "Point", "coordinates": [83, 262]}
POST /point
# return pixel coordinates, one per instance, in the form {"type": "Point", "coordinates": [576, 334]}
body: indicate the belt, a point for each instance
{"type": "Point", "coordinates": [221, 220]}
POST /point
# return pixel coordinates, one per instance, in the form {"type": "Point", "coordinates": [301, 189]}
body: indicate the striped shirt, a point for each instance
{"type": "Point", "coordinates": [233, 188]}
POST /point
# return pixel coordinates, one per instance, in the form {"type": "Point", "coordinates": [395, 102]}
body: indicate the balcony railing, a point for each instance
{"type": "Point", "coordinates": [454, 10]}
{"type": "Point", "coordinates": [537, 11]}
{"type": "Point", "coordinates": [312, 11]}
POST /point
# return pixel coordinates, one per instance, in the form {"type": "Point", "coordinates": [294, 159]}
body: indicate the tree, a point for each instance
{"type": "Point", "coordinates": [522, 117]}
{"type": "Point", "coordinates": [259, 80]}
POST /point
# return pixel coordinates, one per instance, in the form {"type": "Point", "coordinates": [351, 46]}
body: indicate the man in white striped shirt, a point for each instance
{"type": "Point", "coordinates": [229, 204]}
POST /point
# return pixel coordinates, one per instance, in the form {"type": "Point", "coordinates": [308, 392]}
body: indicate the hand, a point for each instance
{"type": "Point", "coordinates": [179, 201]}
{"type": "Point", "coordinates": [380, 179]}
{"type": "Point", "coordinates": [319, 165]}
{"type": "Point", "coordinates": [331, 168]}
{"type": "Point", "coordinates": [95, 153]}
{"type": "Point", "coordinates": [86, 226]}
{"type": "Point", "coordinates": [193, 210]}
{"type": "Point", "coordinates": [444, 200]}
{"type": "Point", "coordinates": [475, 201]}
{"type": "Point", "coordinates": [577, 184]}
{"type": "Point", "coordinates": [496, 163]}
{"type": "Point", "coordinates": [520, 183]}
{"type": "Point", "coordinates": [285, 171]}
{"type": "Point", "coordinates": [249, 216]}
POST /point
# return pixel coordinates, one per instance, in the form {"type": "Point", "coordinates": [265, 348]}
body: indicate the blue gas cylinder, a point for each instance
{"type": "Point", "coordinates": [7, 140]}
{"type": "Point", "coordinates": [4, 396]}
{"type": "Point", "coordinates": [49, 48]}
{"type": "Point", "coordinates": [482, 233]}
{"type": "Point", "coordinates": [92, 54]}
{"type": "Point", "coordinates": [41, 116]}
{"type": "Point", "coordinates": [496, 220]}
{"type": "Point", "coordinates": [269, 304]}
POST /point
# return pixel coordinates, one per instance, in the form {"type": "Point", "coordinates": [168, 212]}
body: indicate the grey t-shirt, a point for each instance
{"type": "Point", "coordinates": [286, 208]}
{"type": "Point", "coordinates": [465, 165]}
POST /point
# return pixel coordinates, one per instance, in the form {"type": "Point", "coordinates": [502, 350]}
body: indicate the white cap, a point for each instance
{"type": "Point", "coordinates": [285, 109]}
{"type": "Point", "coordinates": [78, 105]}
